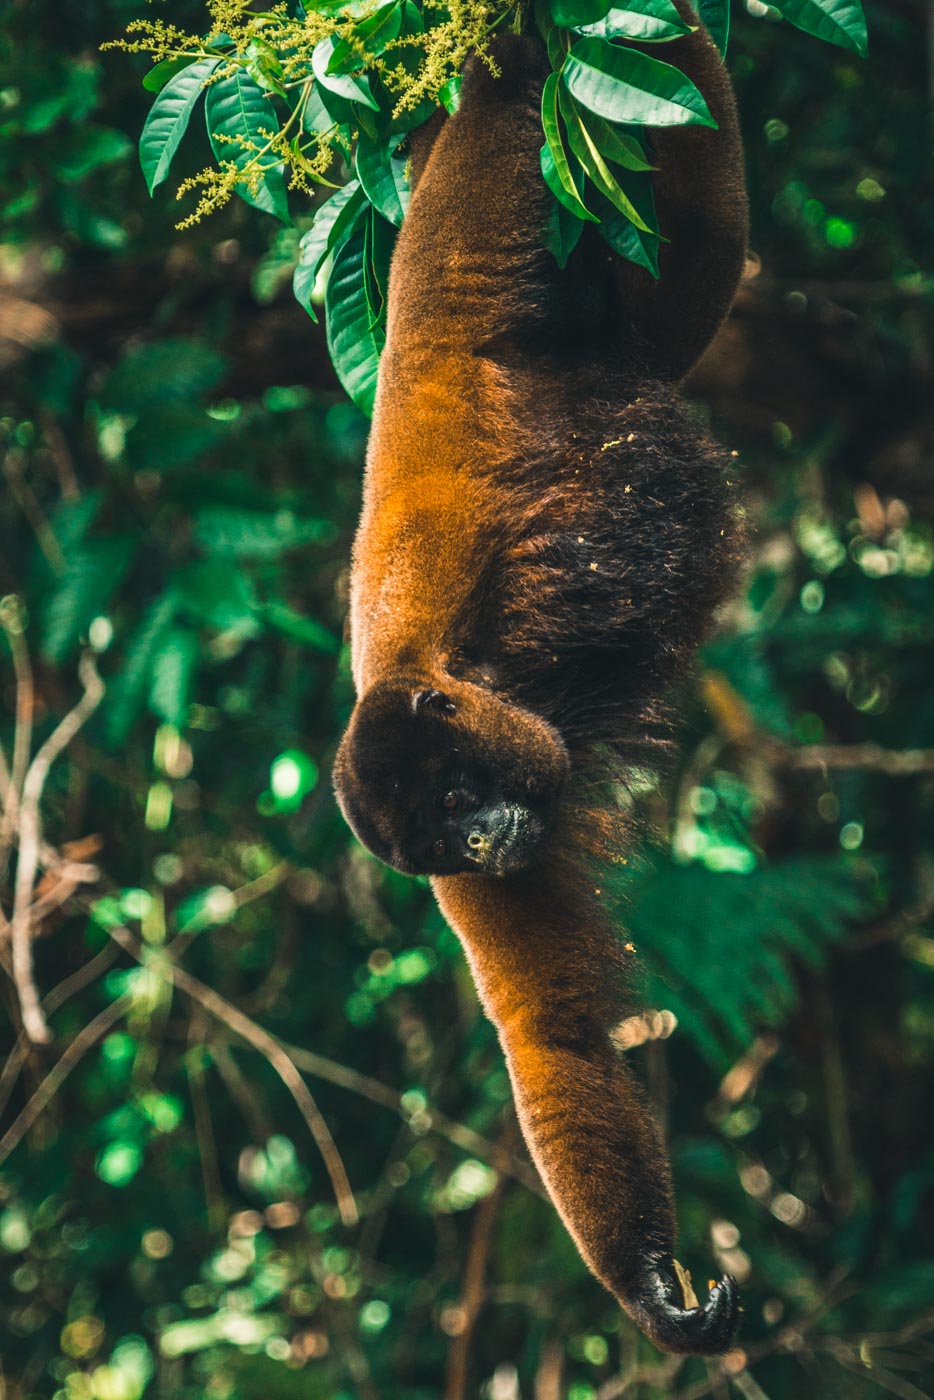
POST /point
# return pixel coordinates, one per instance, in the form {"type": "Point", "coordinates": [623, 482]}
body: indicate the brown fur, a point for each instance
{"type": "Point", "coordinates": [545, 534]}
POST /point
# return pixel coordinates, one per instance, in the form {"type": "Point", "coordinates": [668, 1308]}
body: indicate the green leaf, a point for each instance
{"type": "Point", "coordinates": [239, 533]}
{"type": "Point", "coordinates": [382, 175]}
{"type": "Point", "coordinates": [450, 94]}
{"type": "Point", "coordinates": [838, 21]}
{"type": "Point", "coordinates": [617, 145]}
{"type": "Point", "coordinates": [379, 238]}
{"type": "Point", "coordinates": [624, 85]}
{"type": "Point", "coordinates": [317, 117]}
{"type": "Point", "coordinates": [354, 343]}
{"type": "Point", "coordinates": [306, 630]}
{"type": "Point", "coordinates": [264, 66]}
{"type": "Point", "coordinates": [219, 595]}
{"type": "Point", "coordinates": [370, 38]}
{"type": "Point", "coordinates": [585, 148]}
{"type": "Point", "coordinates": [175, 368]}
{"type": "Point", "coordinates": [126, 691]}
{"type": "Point", "coordinates": [345, 85]}
{"type": "Point", "coordinates": [556, 168]}
{"type": "Point", "coordinates": [332, 222]}
{"type": "Point", "coordinates": [638, 245]}
{"type": "Point", "coordinates": [651, 21]}
{"type": "Point", "coordinates": [87, 148]}
{"type": "Point", "coordinates": [237, 109]}
{"type": "Point", "coordinates": [173, 667]}
{"type": "Point", "coordinates": [165, 438]}
{"type": "Point", "coordinates": [168, 120]}
{"type": "Point", "coordinates": [82, 593]}
{"type": "Point", "coordinates": [157, 77]}
{"type": "Point", "coordinates": [778, 915]}
{"type": "Point", "coordinates": [561, 232]}
{"type": "Point", "coordinates": [715, 15]}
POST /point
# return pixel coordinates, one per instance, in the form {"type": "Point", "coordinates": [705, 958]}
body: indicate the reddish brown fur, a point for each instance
{"type": "Point", "coordinates": [545, 534]}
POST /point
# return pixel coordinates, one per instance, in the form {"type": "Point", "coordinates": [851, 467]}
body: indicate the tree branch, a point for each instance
{"type": "Point", "coordinates": [270, 1048]}
{"type": "Point", "coordinates": [30, 837]}
{"type": "Point", "coordinates": [56, 1077]}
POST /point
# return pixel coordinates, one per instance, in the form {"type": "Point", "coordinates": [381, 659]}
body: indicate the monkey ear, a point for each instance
{"type": "Point", "coordinates": [434, 699]}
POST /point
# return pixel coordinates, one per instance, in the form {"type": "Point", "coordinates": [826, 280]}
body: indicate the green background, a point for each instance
{"type": "Point", "coordinates": [181, 480]}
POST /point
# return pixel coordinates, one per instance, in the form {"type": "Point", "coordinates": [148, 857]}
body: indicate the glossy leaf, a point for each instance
{"type": "Point", "coordinates": [556, 167]}
{"type": "Point", "coordinates": [649, 21]}
{"type": "Point", "coordinates": [562, 231]}
{"type": "Point", "coordinates": [638, 245]}
{"type": "Point", "coordinates": [157, 77]}
{"type": "Point", "coordinates": [617, 146]}
{"type": "Point", "coordinates": [345, 85]}
{"type": "Point", "coordinates": [584, 147]}
{"type": "Point", "coordinates": [624, 85]}
{"type": "Point", "coordinates": [318, 116]}
{"type": "Point", "coordinates": [355, 345]}
{"type": "Point", "coordinates": [379, 238]}
{"type": "Point", "coordinates": [382, 175]}
{"type": "Point", "coordinates": [264, 66]}
{"type": "Point", "coordinates": [370, 38]}
{"type": "Point", "coordinates": [168, 120]}
{"type": "Point", "coordinates": [238, 109]}
{"type": "Point", "coordinates": [838, 21]}
{"type": "Point", "coordinates": [333, 222]}
{"type": "Point", "coordinates": [450, 94]}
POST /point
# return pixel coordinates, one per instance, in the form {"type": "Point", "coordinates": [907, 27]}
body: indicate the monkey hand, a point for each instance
{"type": "Point", "coordinates": [662, 1302]}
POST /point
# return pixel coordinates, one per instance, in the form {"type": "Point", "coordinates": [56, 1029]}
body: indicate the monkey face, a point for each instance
{"type": "Point", "coordinates": [448, 782]}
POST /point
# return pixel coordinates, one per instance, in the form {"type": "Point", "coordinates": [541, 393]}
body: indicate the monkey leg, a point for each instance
{"type": "Point", "coordinates": [700, 199]}
{"type": "Point", "coordinates": [551, 974]}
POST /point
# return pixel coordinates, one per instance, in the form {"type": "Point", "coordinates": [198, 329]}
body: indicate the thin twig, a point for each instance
{"type": "Point", "coordinates": [241, 1091]}
{"type": "Point", "coordinates": [457, 1133]}
{"type": "Point", "coordinates": [28, 503]}
{"type": "Point", "coordinates": [204, 1127]}
{"type": "Point", "coordinates": [267, 1045]}
{"type": "Point", "coordinates": [30, 837]}
{"type": "Point", "coordinates": [57, 997]}
{"type": "Point", "coordinates": [871, 758]}
{"type": "Point", "coordinates": [473, 1290]}
{"type": "Point", "coordinates": [56, 1076]}
{"type": "Point", "coordinates": [25, 699]}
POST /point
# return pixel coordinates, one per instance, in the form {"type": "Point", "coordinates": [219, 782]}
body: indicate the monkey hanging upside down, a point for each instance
{"type": "Point", "coordinates": [546, 533]}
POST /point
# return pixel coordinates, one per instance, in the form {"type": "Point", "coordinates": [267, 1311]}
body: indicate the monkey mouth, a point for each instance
{"type": "Point", "coordinates": [511, 846]}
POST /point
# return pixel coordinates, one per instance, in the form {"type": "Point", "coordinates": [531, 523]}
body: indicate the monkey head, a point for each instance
{"type": "Point", "coordinates": [445, 782]}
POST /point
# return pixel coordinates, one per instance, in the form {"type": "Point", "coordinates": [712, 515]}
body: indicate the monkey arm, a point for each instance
{"type": "Point", "coordinates": [551, 974]}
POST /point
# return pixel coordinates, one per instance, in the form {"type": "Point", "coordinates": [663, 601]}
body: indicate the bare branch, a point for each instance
{"type": "Point", "coordinates": [63, 991]}
{"type": "Point", "coordinates": [871, 758]}
{"type": "Point", "coordinates": [473, 1287]}
{"type": "Point", "coordinates": [457, 1133]}
{"type": "Point", "coordinates": [63, 1067]}
{"type": "Point", "coordinates": [267, 1045]}
{"type": "Point", "coordinates": [30, 838]}
{"type": "Point", "coordinates": [10, 621]}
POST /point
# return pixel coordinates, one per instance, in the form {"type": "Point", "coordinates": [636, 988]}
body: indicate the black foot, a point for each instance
{"type": "Point", "coordinates": [655, 1303]}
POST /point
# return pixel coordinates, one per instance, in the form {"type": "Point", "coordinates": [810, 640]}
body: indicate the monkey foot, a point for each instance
{"type": "Point", "coordinates": [660, 1302]}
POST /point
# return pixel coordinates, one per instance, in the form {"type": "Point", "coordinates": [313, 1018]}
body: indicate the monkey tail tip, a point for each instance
{"type": "Point", "coordinates": [663, 1304]}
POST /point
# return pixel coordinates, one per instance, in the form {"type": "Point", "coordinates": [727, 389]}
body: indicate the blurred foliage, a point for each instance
{"type": "Point", "coordinates": [181, 479]}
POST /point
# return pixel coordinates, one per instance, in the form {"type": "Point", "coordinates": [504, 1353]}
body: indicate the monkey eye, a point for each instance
{"type": "Point", "coordinates": [440, 847]}
{"type": "Point", "coordinates": [451, 801]}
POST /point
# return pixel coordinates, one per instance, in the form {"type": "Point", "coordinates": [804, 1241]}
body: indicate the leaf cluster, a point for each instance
{"type": "Point", "coordinates": [297, 97]}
